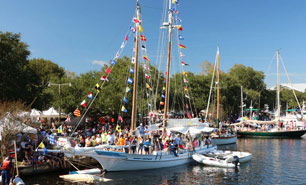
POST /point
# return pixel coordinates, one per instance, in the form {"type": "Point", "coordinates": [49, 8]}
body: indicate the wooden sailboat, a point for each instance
{"type": "Point", "coordinates": [121, 161]}
{"type": "Point", "coordinates": [221, 138]}
{"type": "Point", "coordinates": [276, 132]}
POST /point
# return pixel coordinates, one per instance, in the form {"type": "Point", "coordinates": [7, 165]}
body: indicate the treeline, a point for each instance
{"type": "Point", "coordinates": [26, 80]}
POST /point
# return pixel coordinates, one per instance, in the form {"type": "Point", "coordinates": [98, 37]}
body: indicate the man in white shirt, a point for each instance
{"type": "Point", "coordinates": [110, 138]}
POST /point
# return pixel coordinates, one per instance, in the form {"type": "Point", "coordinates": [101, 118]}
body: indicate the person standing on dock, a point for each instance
{"type": "Point", "coordinates": [6, 167]}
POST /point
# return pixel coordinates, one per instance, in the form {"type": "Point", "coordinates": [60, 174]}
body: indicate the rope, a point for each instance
{"type": "Point", "coordinates": [210, 91]}
{"type": "Point", "coordinates": [160, 50]}
{"type": "Point", "coordinates": [73, 165]}
{"type": "Point", "coordinates": [291, 84]}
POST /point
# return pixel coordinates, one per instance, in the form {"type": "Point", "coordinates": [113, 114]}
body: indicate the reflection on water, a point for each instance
{"type": "Point", "coordinates": [275, 161]}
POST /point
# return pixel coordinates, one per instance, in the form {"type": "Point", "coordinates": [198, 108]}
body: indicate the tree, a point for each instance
{"type": "Point", "coordinates": [109, 100]}
{"type": "Point", "coordinates": [42, 72]}
{"type": "Point", "coordinates": [14, 83]}
{"type": "Point", "coordinates": [247, 77]}
{"type": "Point", "coordinates": [206, 67]}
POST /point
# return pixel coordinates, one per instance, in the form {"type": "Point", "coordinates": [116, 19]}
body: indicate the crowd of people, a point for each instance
{"type": "Point", "coordinates": [142, 141]}
{"type": "Point", "coordinates": [107, 132]}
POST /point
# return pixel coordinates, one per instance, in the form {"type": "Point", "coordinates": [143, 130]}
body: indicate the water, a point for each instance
{"type": "Point", "coordinates": [275, 161]}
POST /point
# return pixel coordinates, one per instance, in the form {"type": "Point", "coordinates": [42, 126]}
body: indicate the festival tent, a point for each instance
{"type": "Point", "coordinates": [35, 113]}
{"type": "Point", "coordinates": [50, 113]}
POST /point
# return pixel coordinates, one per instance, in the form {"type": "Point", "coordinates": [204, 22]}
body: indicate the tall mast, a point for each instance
{"type": "Point", "coordinates": [211, 86]}
{"type": "Point", "coordinates": [170, 27]}
{"type": "Point", "coordinates": [218, 91]}
{"type": "Point", "coordinates": [241, 103]}
{"type": "Point", "coordinates": [278, 88]}
{"type": "Point", "coordinates": [134, 105]}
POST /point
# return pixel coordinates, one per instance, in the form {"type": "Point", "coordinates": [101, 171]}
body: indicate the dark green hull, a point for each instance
{"type": "Point", "coordinates": [277, 134]}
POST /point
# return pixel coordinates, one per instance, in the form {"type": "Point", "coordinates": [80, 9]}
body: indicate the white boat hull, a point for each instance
{"type": "Point", "coordinates": [224, 140]}
{"type": "Point", "coordinates": [84, 178]}
{"type": "Point", "coordinates": [243, 156]}
{"type": "Point", "coordinates": [90, 171]}
{"type": "Point", "coordinates": [210, 161]}
{"type": "Point", "coordinates": [119, 161]}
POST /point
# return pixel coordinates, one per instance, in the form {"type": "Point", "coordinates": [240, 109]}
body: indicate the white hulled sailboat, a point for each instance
{"type": "Point", "coordinates": [121, 161]}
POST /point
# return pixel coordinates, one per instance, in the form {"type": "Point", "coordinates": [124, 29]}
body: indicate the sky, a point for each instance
{"type": "Point", "coordinates": [80, 35]}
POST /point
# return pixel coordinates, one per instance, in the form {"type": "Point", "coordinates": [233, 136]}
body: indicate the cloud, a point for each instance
{"type": "Point", "coordinates": [99, 62]}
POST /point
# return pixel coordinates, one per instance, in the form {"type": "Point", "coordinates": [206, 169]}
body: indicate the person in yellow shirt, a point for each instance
{"type": "Point", "coordinates": [104, 140]}
{"type": "Point", "coordinates": [93, 141]}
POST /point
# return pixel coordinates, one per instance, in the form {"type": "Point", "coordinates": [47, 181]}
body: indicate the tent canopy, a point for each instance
{"type": "Point", "coordinates": [35, 113]}
{"type": "Point", "coordinates": [50, 112]}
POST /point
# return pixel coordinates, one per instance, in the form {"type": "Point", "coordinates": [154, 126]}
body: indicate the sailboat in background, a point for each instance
{"type": "Point", "coordinates": [277, 131]}
{"type": "Point", "coordinates": [220, 138]}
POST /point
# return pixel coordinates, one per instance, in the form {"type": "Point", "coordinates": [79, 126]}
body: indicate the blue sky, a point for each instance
{"type": "Point", "coordinates": [74, 33]}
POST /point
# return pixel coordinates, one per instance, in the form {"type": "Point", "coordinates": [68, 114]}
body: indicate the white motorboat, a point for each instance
{"type": "Point", "coordinates": [224, 139]}
{"type": "Point", "coordinates": [243, 156]}
{"type": "Point", "coordinates": [215, 161]}
{"type": "Point", "coordinates": [88, 171]}
{"type": "Point", "coordinates": [84, 178]}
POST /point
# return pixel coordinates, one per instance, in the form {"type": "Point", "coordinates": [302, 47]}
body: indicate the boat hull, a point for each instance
{"type": "Point", "coordinates": [243, 156]}
{"type": "Point", "coordinates": [210, 161]}
{"type": "Point", "coordinates": [118, 161]}
{"type": "Point", "coordinates": [276, 134]}
{"type": "Point", "coordinates": [224, 140]}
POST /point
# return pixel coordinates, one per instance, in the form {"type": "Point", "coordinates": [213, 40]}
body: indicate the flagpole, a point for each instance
{"type": "Point", "coordinates": [134, 103]}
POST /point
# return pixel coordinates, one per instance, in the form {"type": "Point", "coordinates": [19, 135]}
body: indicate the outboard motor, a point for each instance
{"type": "Point", "coordinates": [235, 161]}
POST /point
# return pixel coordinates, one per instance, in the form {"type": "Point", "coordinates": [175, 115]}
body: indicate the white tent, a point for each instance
{"type": "Point", "coordinates": [35, 113]}
{"type": "Point", "coordinates": [50, 113]}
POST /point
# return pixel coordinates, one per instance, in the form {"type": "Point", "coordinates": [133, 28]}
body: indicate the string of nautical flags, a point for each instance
{"type": "Point", "coordinates": [182, 56]}
{"type": "Point", "coordinates": [146, 66]}
{"type": "Point", "coordinates": [147, 73]}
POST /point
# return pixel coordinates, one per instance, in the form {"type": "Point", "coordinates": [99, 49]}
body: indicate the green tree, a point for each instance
{"type": "Point", "coordinates": [42, 73]}
{"type": "Point", "coordinates": [109, 100]}
{"type": "Point", "coordinates": [14, 83]}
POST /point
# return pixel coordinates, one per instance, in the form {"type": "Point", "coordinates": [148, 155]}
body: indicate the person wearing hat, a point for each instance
{"type": "Point", "coordinates": [6, 167]}
{"type": "Point", "coordinates": [141, 129]}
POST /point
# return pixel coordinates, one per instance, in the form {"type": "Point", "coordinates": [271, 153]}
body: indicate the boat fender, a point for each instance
{"type": "Point", "coordinates": [235, 161]}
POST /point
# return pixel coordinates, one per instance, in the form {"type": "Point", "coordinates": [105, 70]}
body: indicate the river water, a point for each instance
{"type": "Point", "coordinates": [275, 161]}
